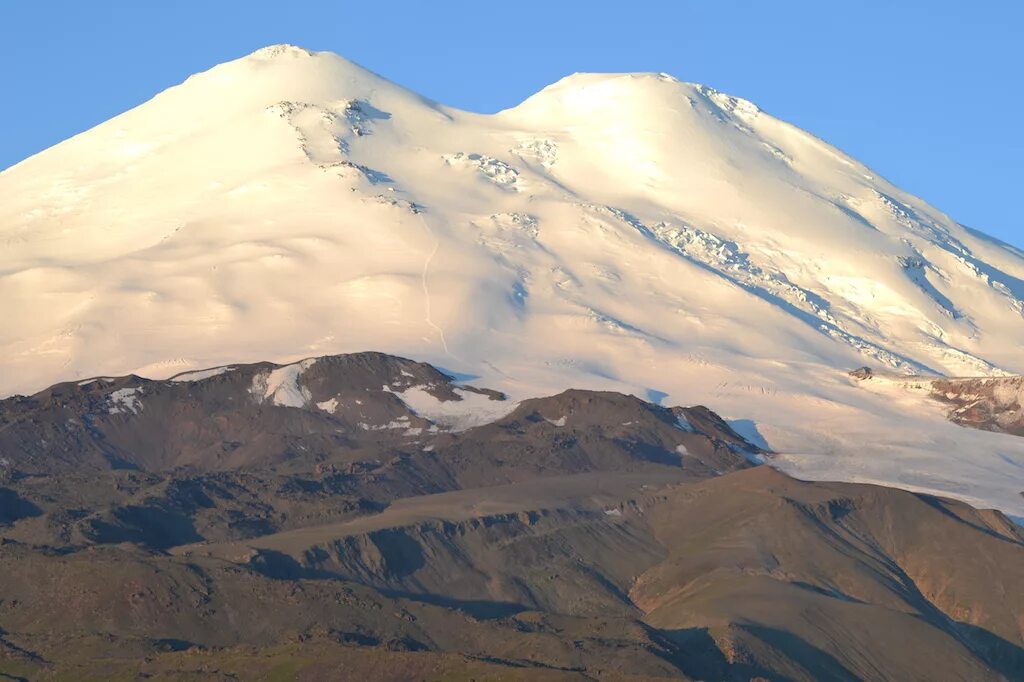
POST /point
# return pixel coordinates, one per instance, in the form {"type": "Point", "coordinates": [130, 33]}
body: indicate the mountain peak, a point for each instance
{"type": "Point", "coordinates": [581, 79]}
{"type": "Point", "coordinates": [652, 95]}
{"type": "Point", "coordinates": [606, 86]}
{"type": "Point", "coordinates": [625, 232]}
{"type": "Point", "coordinates": [281, 50]}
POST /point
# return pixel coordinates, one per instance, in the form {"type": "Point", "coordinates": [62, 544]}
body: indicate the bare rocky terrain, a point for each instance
{"type": "Point", "coordinates": [367, 516]}
{"type": "Point", "coordinates": [990, 403]}
{"type": "Point", "coordinates": [986, 403]}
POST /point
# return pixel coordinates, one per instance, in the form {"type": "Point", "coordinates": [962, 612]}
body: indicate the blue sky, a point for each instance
{"type": "Point", "coordinates": [929, 94]}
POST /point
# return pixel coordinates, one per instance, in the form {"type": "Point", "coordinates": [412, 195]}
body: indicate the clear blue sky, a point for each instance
{"type": "Point", "coordinates": [927, 93]}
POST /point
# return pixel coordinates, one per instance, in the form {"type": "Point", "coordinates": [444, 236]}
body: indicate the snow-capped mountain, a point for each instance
{"type": "Point", "coordinates": [622, 231]}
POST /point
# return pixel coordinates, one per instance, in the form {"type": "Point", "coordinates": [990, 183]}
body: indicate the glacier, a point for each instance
{"type": "Point", "coordinates": [627, 232]}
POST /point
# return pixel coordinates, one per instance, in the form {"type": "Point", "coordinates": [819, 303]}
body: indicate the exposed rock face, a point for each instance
{"type": "Point", "coordinates": [987, 403]}
{"type": "Point", "coordinates": [993, 404]}
{"type": "Point", "coordinates": [229, 418]}
{"type": "Point", "coordinates": [246, 450]}
{"type": "Point", "coordinates": [315, 411]}
{"type": "Point", "coordinates": [374, 517]}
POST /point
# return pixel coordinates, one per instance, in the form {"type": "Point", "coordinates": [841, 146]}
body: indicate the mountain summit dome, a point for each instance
{"type": "Point", "coordinates": [281, 50]}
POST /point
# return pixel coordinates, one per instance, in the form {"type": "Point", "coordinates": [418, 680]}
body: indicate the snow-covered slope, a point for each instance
{"type": "Point", "coordinates": [630, 231]}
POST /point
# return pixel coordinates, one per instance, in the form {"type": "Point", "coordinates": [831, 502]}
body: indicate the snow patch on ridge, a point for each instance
{"type": "Point", "coordinates": [328, 406]}
{"type": "Point", "coordinates": [281, 386]}
{"type": "Point", "coordinates": [201, 374]}
{"type": "Point", "coordinates": [97, 379]}
{"type": "Point", "coordinates": [474, 409]}
{"type": "Point", "coordinates": [399, 423]}
{"type": "Point", "coordinates": [125, 401]}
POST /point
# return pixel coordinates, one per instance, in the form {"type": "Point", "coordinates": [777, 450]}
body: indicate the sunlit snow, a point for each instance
{"type": "Point", "coordinates": [281, 386]}
{"type": "Point", "coordinates": [628, 232]}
